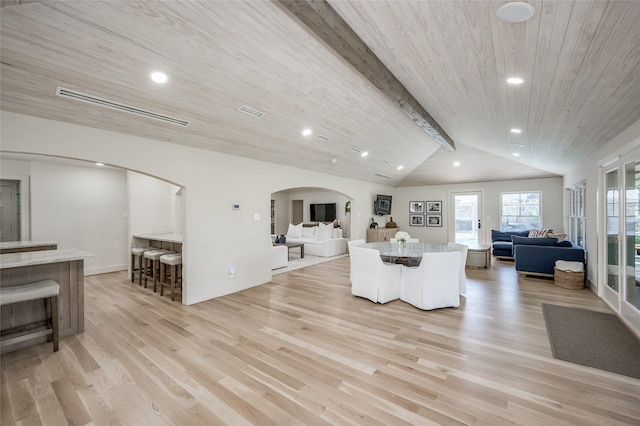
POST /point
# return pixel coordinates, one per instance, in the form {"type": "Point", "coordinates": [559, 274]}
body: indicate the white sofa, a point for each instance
{"type": "Point", "coordinates": [319, 240]}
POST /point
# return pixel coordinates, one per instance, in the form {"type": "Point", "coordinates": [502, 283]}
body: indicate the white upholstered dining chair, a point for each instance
{"type": "Point", "coordinates": [463, 249]}
{"type": "Point", "coordinates": [434, 283]}
{"type": "Point", "coordinates": [373, 279]}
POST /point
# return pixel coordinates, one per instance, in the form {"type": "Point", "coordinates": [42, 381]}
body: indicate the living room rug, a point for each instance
{"type": "Point", "coordinates": [296, 263]}
{"type": "Point", "coordinates": [594, 339]}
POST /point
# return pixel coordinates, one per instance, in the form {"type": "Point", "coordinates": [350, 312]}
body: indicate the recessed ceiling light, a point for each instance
{"type": "Point", "coordinates": [515, 11]}
{"type": "Point", "coordinates": [400, 167]}
{"type": "Point", "coordinates": [456, 163]}
{"type": "Point", "coordinates": [334, 160]}
{"type": "Point", "coordinates": [306, 132]}
{"type": "Point", "coordinates": [159, 77]}
{"type": "Point", "coordinates": [99, 164]}
{"type": "Point", "coordinates": [516, 130]}
{"type": "Point", "coordinates": [515, 80]}
{"type": "Point", "coordinates": [516, 154]}
{"type": "Point", "coordinates": [364, 154]}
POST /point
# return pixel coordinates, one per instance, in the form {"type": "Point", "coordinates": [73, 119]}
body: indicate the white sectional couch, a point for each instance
{"type": "Point", "coordinates": [319, 240]}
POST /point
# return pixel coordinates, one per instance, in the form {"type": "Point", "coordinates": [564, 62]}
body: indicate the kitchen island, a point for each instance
{"type": "Point", "coordinates": [66, 267]}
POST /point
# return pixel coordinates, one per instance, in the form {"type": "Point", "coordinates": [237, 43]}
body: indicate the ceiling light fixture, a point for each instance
{"type": "Point", "coordinates": [400, 167]}
{"type": "Point", "coordinates": [515, 80]}
{"type": "Point", "coordinates": [334, 160]}
{"type": "Point", "coordinates": [306, 132]}
{"type": "Point", "coordinates": [515, 12]}
{"type": "Point", "coordinates": [100, 164]}
{"type": "Point", "coordinates": [364, 154]}
{"type": "Point", "coordinates": [516, 154]}
{"type": "Point", "coordinates": [159, 77]}
{"type": "Point", "coordinates": [456, 163]}
{"type": "Point", "coordinates": [516, 130]}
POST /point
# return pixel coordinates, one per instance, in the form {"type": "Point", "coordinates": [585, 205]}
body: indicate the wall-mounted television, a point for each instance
{"type": "Point", "coordinates": [382, 205]}
{"type": "Point", "coordinates": [323, 212]}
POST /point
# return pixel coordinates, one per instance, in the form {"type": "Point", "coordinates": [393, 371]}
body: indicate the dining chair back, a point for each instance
{"type": "Point", "coordinates": [371, 278]}
{"type": "Point", "coordinates": [434, 283]}
{"type": "Point", "coordinates": [463, 249]}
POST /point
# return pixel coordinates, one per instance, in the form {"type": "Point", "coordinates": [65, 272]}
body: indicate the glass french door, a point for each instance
{"type": "Point", "coordinates": [630, 282]}
{"type": "Point", "coordinates": [467, 217]}
{"type": "Point", "coordinates": [622, 251]}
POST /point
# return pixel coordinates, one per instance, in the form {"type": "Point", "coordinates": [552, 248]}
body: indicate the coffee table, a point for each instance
{"type": "Point", "coordinates": [292, 245]}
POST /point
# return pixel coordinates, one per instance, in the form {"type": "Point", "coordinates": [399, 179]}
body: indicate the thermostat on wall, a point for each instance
{"type": "Point", "coordinates": [236, 206]}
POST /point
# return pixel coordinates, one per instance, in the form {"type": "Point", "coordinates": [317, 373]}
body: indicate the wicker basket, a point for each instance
{"type": "Point", "coordinates": [568, 279]}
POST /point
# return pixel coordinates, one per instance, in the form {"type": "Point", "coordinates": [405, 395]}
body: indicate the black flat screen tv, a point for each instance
{"type": "Point", "coordinates": [323, 212]}
{"type": "Point", "coordinates": [382, 205]}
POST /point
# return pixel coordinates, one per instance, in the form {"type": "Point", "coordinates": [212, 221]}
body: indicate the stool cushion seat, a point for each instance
{"type": "Point", "coordinates": [155, 254]}
{"type": "Point", "coordinates": [32, 291]}
{"type": "Point", "coordinates": [137, 251]}
{"type": "Point", "coordinates": [171, 259]}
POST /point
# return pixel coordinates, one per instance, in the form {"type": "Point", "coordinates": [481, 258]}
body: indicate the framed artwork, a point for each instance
{"type": "Point", "coordinates": [434, 220]}
{"type": "Point", "coordinates": [416, 219]}
{"type": "Point", "coordinates": [416, 207]}
{"type": "Point", "coordinates": [434, 207]}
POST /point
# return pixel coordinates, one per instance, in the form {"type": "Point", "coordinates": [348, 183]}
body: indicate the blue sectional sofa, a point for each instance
{"type": "Point", "coordinates": [537, 256]}
{"type": "Point", "coordinates": [501, 243]}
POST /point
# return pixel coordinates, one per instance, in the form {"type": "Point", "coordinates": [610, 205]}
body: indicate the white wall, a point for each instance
{"type": "Point", "coordinates": [79, 207]}
{"type": "Point", "coordinates": [589, 170]}
{"type": "Point", "coordinates": [216, 237]}
{"type": "Point", "coordinates": [552, 211]}
{"type": "Point", "coordinates": [152, 206]}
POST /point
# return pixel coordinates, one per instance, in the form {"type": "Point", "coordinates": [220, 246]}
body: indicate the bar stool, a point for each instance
{"type": "Point", "coordinates": [151, 265]}
{"type": "Point", "coordinates": [45, 289]}
{"type": "Point", "coordinates": [136, 254]}
{"type": "Point", "coordinates": [174, 262]}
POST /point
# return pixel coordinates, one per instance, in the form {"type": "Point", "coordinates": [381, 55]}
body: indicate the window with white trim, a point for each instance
{"type": "Point", "coordinates": [520, 211]}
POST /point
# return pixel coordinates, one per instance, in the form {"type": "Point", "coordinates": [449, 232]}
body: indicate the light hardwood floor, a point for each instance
{"type": "Point", "coordinates": [303, 350]}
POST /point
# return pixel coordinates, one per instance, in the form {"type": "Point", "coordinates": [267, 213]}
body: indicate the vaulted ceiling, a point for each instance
{"type": "Point", "coordinates": [580, 62]}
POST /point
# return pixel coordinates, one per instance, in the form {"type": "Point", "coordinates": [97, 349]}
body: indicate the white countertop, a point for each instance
{"type": "Point", "coordinates": [23, 244]}
{"type": "Point", "coordinates": [28, 258]}
{"type": "Point", "coordinates": [170, 238]}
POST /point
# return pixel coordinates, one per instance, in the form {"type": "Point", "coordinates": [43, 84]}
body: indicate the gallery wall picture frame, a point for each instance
{"type": "Point", "coordinates": [434, 220]}
{"type": "Point", "coordinates": [416, 206]}
{"type": "Point", "coordinates": [434, 207]}
{"type": "Point", "coordinates": [416, 220]}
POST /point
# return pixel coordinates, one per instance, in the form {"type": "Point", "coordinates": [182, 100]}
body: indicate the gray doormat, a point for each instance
{"type": "Point", "coordinates": [594, 339]}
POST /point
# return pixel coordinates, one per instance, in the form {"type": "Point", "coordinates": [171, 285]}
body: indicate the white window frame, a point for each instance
{"type": "Point", "coordinates": [502, 194]}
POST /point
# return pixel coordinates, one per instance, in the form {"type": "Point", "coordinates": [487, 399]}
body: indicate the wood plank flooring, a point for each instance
{"type": "Point", "coordinates": [302, 350]}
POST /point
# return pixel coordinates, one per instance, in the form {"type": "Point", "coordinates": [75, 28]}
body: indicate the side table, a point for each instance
{"type": "Point", "coordinates": [479, 256]}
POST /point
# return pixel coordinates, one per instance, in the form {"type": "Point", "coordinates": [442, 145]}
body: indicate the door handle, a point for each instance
{"type": "Point", "coordinates": [479, 224]}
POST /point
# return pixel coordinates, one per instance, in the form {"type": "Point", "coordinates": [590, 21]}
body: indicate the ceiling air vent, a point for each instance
{"type": "Point", "coordinates": [382, 176]}
{"type": "Point", "coordinates": [251, 111]}
{"type": "Point", "coordinates": [323, 138]}
{"type": "Point", "coordinates": [83, 97]}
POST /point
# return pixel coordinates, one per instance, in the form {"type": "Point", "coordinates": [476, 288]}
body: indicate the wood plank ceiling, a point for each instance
{"type": "Point", "coordinates": [580, 62]}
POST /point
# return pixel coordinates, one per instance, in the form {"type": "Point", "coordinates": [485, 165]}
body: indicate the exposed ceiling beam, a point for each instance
{"type": "Point", "coordinates": [325, 22]}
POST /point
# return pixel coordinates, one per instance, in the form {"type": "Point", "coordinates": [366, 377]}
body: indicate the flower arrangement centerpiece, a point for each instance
{"type": "Point", "coordinates": [402, 238]}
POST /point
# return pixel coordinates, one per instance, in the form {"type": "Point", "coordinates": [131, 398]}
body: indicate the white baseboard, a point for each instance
{"type": "Point", "coordinates": [104, 269]}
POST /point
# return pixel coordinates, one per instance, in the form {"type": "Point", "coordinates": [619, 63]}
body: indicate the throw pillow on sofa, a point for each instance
{"type": "Point", "coordinates": [294, 231]}
{"type": "Point", "coordinates": [540, 233]}
{"type": "Point", "coordinates": [324, 232]}
{"type": "Point", "coordinates": [309, 232]}
{"type": "Point", "coordinates": [565, 243]}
